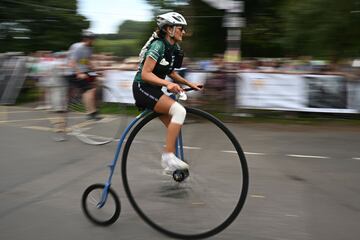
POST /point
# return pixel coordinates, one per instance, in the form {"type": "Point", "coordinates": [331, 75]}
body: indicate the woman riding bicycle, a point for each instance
{"type": "Point", "coordinates": [160, 55]}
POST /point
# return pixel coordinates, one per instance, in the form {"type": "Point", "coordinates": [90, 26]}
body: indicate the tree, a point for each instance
{"type": "Point", "coordinates": [322, 28]}
{"type": "Point", "coordinates": [261, 37]}
{"type": "Point", "coordinates": [42, 25]}
{"type": "Point", "coordinates": [205, 32]}
{"type": "Point", "coordinates": [130, 29]}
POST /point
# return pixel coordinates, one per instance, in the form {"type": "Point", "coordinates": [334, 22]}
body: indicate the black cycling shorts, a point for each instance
{"type": "Point", "coordinates": [146, 95]}
{"type": "Point", "coordinates": [82, 84]}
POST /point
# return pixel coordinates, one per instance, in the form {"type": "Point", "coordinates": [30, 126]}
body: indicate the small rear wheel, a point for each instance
{"type": "Point", "coordinates": [100, 215]}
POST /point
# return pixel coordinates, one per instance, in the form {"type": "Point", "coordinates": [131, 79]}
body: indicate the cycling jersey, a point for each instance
{"type": "Point", "coordinates": [164, 54]}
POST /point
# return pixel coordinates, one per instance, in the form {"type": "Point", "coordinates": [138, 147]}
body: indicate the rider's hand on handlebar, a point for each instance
{"type": "Point", "coordinates": [173, 87]}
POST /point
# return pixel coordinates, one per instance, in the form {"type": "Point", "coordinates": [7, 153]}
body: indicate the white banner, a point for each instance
{"type": "Point", "coordinates": [269, 90]}
{"type": "Point", "coordinates": [261, 91]}
{"type": "Point", "coordinates": [120, 85]}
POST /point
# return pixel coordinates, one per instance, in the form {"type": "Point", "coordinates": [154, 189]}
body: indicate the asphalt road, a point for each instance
{"type": "Point", "coordinates": [304, 183]}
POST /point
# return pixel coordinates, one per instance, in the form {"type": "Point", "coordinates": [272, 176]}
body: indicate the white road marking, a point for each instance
{"type": "Point", "coordinates": [254, 153]}
{"type": "Point", "coordinates": [356, 158]}
{"type": "Point", "coordinates": [187, 147]}
{"type": "Point", "coordinates": [291, 215]}
{"type": "Point", "coordinates": [192, 148]}
{"type": "Point", "coordinates": [257, 196]}
{"type": "Point", "coordinates": [39, 128]}
{"type": "Point", "coordinates": [306, 156]}
{"type": "Point", "coordinates": [247, 153]}
{"type": "Point", "coordinates": [34, 119]}
{"type": "Point", "coordinates": [225, 151]}
{"type": "Point", "coordinates": [15, 112]}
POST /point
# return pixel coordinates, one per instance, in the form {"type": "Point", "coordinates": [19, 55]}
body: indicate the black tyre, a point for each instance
{"type": "Point", "coordinates": [203, 204]}
{"type": "Point", "coordinates": [106, 215]}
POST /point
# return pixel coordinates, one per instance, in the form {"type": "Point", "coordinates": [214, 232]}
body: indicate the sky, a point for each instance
{"type": "Point", "coordinates": [107, 15]}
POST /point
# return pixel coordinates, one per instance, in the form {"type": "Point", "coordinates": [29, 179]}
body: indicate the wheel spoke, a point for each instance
{"type": "Point", "coordinates": [208, 200]}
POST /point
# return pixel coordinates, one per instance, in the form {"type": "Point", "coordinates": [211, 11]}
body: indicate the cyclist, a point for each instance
{"type": "Point", "coordinates": [79, 59]}
{"type": "Point", "coordinates": [158, 58]}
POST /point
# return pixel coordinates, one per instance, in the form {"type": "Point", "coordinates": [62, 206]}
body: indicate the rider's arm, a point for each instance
{"type": "Point", "coordinates": [148, 76]}
{"type": "Point", "coordinates": [177, 78]}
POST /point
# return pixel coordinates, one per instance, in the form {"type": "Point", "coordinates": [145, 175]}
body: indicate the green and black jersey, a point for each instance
{"type": "Point", "coordinates": [164, 54]}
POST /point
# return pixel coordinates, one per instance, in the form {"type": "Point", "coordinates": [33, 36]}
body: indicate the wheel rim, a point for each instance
{"type": "Point", "coordinates": [107, 214]}
{"type": "Point", "coordinates": [144, 214]}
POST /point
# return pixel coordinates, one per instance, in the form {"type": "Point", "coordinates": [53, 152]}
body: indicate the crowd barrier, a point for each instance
{"type": "Point", "coordinates": [273, 91]}
{"type": "Point", "coordinates": [12, 76]}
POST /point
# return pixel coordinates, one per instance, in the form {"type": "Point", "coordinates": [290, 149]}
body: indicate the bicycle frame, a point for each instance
{"type": "Point", "coordinates": [178, 147]}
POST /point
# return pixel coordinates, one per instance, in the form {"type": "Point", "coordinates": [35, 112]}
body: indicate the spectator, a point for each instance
{"type": "Point", "coordinates": [79, 60]}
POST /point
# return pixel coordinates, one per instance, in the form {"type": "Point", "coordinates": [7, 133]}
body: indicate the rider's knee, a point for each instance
{"type": "Point", "coordinates": [178, 113]}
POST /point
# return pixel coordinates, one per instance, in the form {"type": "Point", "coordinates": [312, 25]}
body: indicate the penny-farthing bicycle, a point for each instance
{"type": "Point", "coordinates": [192, 204]}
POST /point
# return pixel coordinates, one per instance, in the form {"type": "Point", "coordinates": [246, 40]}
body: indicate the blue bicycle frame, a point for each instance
{"type": "Point", "coordinates": [178, 147]}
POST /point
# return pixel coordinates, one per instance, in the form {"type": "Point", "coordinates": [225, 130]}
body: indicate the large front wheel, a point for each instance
{"type": "Point", "coordinates": [213, 193]}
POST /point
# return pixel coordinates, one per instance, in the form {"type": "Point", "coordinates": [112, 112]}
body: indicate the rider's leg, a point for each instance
{"type": "Point", "coordinates": [174, 115]}
{"type": "Point", "coordinates": [165, 119]}
{"type": "Point", "coordinates": [173, 127]}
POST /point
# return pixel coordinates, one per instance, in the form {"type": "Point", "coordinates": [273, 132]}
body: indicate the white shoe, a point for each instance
{"type": "Point", "coordinates": [170, 162]}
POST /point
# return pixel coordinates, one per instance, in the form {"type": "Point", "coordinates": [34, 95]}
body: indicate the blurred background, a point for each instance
{"type": "Point", "coordinates": [283, 74]}
{"type": "Point", "coordinates": [282, 55]}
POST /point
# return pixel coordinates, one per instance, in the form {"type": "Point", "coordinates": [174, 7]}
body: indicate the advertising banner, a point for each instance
{"type": "Point", "coordinates": [269, 90]}
{"type": "Point", "coordinates": [326, 91]}
{"type": "Point", "coordinates": [118, 86]}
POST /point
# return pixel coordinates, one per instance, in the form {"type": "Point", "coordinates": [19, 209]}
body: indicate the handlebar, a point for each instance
{"type": "Point", "coordinates": [192, 89]}
{"type": "Point", "coordinates": [182, 95]}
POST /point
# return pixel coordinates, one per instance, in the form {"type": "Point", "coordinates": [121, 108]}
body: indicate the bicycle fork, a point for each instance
{"type": "Point", "coordinates": [112, 166]}
{"type": "Point", "coordinates": [179, 152]}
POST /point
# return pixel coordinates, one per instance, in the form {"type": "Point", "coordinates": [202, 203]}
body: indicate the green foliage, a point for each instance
{"type": "Point", "coordinates": [28, 25]}
{"type": "Point", "coordinates": [121, 47]}
{"type": "Point", "coordinates": [205, 35]}
{"type": "Point", "coordinates": [127, 42]}
{"type": "Point", "coordinates": [262, 34]}
{"type": "Point", "coordinates": [130, 29]}
{"type": "Point", "coordinates": [322, 28]}
{"type": "Point", "coordinates": [274, 28]}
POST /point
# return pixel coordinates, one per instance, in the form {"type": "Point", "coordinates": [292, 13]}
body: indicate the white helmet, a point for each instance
{"type": "Point", "coordinates": [171, 19]}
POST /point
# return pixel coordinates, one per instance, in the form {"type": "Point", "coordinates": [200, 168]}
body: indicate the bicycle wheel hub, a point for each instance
{"type": "Point", "coordinates": [180, 175]}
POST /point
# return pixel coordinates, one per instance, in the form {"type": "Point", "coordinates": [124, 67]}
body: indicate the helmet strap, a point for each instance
{"type": "Point", "coordinates": [172, 34]}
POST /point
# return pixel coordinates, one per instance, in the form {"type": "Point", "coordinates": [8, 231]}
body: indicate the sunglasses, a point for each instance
{"type": "Point", "coordinates": [182, 28]}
